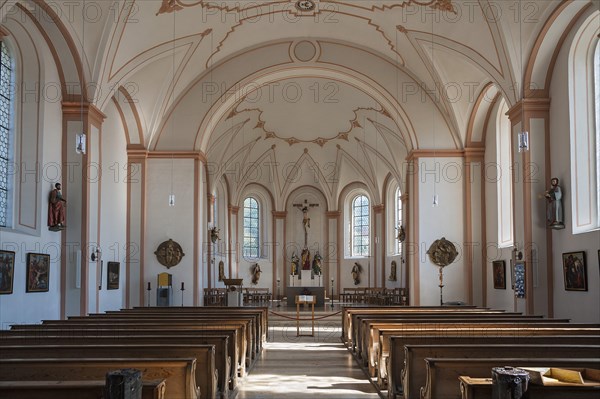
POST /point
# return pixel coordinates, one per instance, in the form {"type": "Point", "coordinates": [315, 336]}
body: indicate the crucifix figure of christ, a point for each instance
{"type": "Point", "coordinates": [305, 219]}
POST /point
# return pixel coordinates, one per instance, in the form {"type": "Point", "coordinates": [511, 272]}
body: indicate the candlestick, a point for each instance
{"type": "Point", "coordinates": [149, 287]}
{"type": "Point", "coordinates": [182, 286]}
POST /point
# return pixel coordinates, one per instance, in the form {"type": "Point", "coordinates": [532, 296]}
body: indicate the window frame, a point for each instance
{"type": "Point", "coordinates": [6, 154]}
{"type": "Point", "coordinates": [353, 226]}
{"type": "Point", "coordinates": [255, 249]}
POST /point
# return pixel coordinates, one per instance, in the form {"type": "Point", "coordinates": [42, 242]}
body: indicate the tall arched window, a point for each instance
{"type": "Point", "coordinates": [398, 198]}
{"type": "Point", "coordinates": [597, 106]}
{"type": "Point", "coordinates": [251, 228]}
{"type": "Point", "coordinates": [583, 112]}
{"type": "Point", "coordinates": [504, 178]}
{"type": "Point", "coordinates": [5, 130]}
{"type": "Point", "coordinates": [360, 226]}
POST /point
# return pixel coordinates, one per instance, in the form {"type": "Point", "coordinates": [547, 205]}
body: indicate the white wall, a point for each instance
{"type": "Point", "coordinates": [164, 222]}
{"type": "Point", "coordinates": [22, 307]}
{"type": "Point", "coordinates": [445, 220]}
{"type": "Point", "coordinates": [113, 228]}
{"type": "Point", "coordinates": [578, 305]}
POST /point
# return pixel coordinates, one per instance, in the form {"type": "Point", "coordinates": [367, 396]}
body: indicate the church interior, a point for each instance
{"type": "Point", "coordinates": [189, 154]}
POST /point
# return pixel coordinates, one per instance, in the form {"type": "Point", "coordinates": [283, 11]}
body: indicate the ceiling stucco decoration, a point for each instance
{"type": "Point", "coordinates": [305, 5]}
{"type": "Point", "coordinates": [305, 51]}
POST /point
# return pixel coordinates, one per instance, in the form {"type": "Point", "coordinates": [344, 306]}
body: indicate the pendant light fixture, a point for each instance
{"type": "Point", "coordinates": [171, 193]}
{"type": "Point", "coordinates": [435, 199]}
{"type": "Point", "coordinates": [523, 136]}
{"type": "Point", "coordinates": [80, 138]}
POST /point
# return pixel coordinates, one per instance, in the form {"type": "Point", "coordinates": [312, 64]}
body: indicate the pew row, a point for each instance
{"type": "Point", "coordinates": [396, 361]}
{"type": "Point", "coordinates": [517, 330]}
{"type": "Point", "coordinates": [178, 373]}
{"type": "Point", "coordinates": [481, 388]}
{"type": "Point", "coordinates": [71, 389]}
{"type": "Point", "coordinates": [443, 374]}
{"type": "Point", "coordinates": [414, 372]}
{"type": "Point", "coordinates": [205, 372]}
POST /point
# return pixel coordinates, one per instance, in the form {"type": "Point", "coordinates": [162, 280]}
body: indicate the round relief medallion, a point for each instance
{"type": "Point", "coordinates": [305, 51]}
{"type": "Point", "coordinates": [305, 5]}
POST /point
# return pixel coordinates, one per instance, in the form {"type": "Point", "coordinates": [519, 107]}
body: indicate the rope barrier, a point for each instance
{"type": "Point", "coordinates": [296, 318]}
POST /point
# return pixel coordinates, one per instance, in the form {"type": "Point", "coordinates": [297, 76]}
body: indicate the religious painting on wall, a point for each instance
{"type": "Point", "coordinates": [574, 270]}
{"type": "Point", "coordinates": [113, 274]}
{"type": "Point", "coordinates": [519, 279]}
{"type": "Point", "coordinates": [499, 273]}
{"type": "Point", "coordinates": [7, 272]}
{"type": "Point", "coordinates": [38, 272]}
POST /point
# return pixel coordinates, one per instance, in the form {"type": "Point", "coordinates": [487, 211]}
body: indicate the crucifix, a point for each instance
{"type": "Point", "coordinates": [305, 219]}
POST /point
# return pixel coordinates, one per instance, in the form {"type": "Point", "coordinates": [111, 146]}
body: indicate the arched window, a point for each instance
{"type": "Point", "coordinates": [360, 226]}
{"type": "Point", "coordinates": [251, 247]}
{"type": "Point", "coordinates": [398, 198]}
{"type": "Point", "coordinates": [584, 93]}
{"type": "Point", "coordinates": [597, 106]}
{"type": "Point", "coordinates": [5, 131]}
{"type": "Point", "coordinates": [504, 180]}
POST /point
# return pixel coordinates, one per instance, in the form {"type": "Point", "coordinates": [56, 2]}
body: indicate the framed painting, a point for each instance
{"type": "Point", "coordinates": [519, 279]}
{"type": "Point", "coordinates": [574, 271]}
{"type": "Point", "coordinates": [7, 272]}
{"type": "Point", "coordinates": [38, 272]}
{"type": "Point", "coordinates": [499, 273]}
{"type": "Point", "coordinates": [113, 271]}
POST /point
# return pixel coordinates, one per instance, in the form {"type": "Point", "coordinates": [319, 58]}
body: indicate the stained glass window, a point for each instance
{"type": "Point", "coordinates": [5, 122]}
{"type": "Point", "coordinates": [251, 228]}
{"type": "Point", "coordinates": [360, 226]}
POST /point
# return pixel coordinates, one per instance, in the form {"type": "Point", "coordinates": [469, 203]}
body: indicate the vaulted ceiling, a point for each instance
{"type": "Point", "coordinates": [355, 84]}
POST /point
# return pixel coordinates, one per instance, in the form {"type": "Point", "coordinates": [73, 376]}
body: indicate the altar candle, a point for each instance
{"type": "Point", "coordinates": [149, 286]}
{"type": "Point", "coordinates": [182, 286]}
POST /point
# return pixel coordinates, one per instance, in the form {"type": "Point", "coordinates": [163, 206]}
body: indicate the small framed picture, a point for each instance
{"type": "Point", "coordinates": [574, 270]}
{"type": "Point", "coordinates": [38, 272]}
{"type": "Point", "coordinates": [519, 279]}
{"type": "Point", "coordinates": [7, 272]}
{"type": "Point", "coordinates": [113, 275]}
{"type": "Point", "coordinates": [499, 273]}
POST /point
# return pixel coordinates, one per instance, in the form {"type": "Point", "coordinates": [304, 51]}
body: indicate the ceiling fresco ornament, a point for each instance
{"type": "Point", "coordinates": [320, 141]}
{"type": "Point", "coordinates": [305, 5]}
{"type": "Point", "coordinates": [169, 253]}
{"type": "Point", "coordinates": [169, 6]}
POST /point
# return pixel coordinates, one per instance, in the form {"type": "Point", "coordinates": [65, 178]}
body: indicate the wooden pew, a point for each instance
{"type": "Point", "coordinates": [348, 311]}
{"type": "Point", "coordinates": [227, 378]}
{"type": "Point", "coordinates": [481, 388]}
{"type": "Point", "coordinates": [71, 389]}
{"type": "Point", "coordinates": [178, 373]}
{"type": "Point", "coordinates": [261, 311]}
{"type": "Point", "coordinates": [238, 365]}
{"type": "Point", "coordinates": [396, 359]}
{"type": "Point", "coordinates": [246, 339]}
{"type": "Point", "coordinates": [370, 350]}
{"type": "Point", "coordinates": [442, 374]}
{"type": "Point", "coordinates": [205, 374]}
{"type": "Point", "coordinates": [381, 352]}
{"type": "Point", "coordinates": [414, 373]}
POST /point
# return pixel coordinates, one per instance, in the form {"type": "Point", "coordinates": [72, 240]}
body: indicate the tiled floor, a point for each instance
{"type": "Point", "coordinates": [305, 367]}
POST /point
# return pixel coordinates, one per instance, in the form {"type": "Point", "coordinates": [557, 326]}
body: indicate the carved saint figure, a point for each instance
{"type": "Point", "coordinates": [356, 270]}
{"type": "Point", "coordinates": [56, 209]}
{"type": "Point", "coordinates": [221, 271]}
{"type": "Point", "coordinates": [295, 264]}
{"type": "Point", "coordinates": [392, 276]}
{"type": "Point", "coordinates": [554, 211]}
{"type": "Point", "coordinates": [256, 273]}
{"type": "Point", "coordinates": [316, 264]}
{"type": "Point", "coordinates": [305, 255]}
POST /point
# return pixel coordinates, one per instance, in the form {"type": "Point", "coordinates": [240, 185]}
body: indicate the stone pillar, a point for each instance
{"type": "Point", "coordinates": [333, 252]}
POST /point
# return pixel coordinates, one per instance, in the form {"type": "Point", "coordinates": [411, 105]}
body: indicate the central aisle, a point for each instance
{"type": "Point", "coordinates": [301, 367]}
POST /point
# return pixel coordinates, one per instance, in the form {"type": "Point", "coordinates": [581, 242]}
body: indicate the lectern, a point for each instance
{"type": "Point", "coordinates": [301, 300]}
{"type": "Point", "coordinates": [235, 296]}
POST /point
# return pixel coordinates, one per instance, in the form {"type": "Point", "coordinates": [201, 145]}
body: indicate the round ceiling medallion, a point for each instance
{"type": "Point", "coordinates": [305, 5]}
{"type": "Point", "coordinates": [305, 51]}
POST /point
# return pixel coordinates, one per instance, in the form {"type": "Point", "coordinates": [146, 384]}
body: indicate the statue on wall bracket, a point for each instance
{"type": "Point", "coordinates": [169, 253]}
